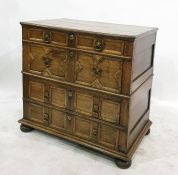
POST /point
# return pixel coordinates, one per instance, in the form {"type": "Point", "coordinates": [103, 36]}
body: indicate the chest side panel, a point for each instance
{"type": "Point", "coordinates": [143, 59]}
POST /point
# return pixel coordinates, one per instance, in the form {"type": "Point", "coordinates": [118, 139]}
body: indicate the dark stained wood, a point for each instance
{"type": "Point", "coordinates": [148, 132]}
{"type": "Point", "coordinates": [122, 163]}
{"type": "Point", "coordinates": [89, 83]}
{"type": "Point", "coordinates": [25, 128]}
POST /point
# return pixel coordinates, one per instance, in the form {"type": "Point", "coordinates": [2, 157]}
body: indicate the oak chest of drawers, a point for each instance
{"type": "Point", "coordinates": [89, 82]}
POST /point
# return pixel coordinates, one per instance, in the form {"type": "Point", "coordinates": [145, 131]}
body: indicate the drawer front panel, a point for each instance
{"type": "Point", "coordinates": [48, 116]}
{"type": "Point", "coordinates": [81, 68]}
{"type": "Point", "coordinates": [110, 111]}
{"type": "Point", "coordinates": [46, 36]}
{"type": "Point", "coordinates": [108, 136]}
{"type": "Point", "coordinates": [83, 103]}
{"type": "Point", "coordinates": [58, 119]}
{"type": "Point", "coordinates": [36, 90]}
{"type": "Point", "coordinates": [36, 112]}
{"type": "Point", "coordinates": [95, 105]}
{"type": "Point", "coordinates": [98, 72]}
{"type": "Point", "coordinates": [95, 132]}
{"type": "Point", "coordinates": [80, 101]}
{"type": "Point", "coordinates": [59, 38]}
{"type": "Point", "coordinates": [46, 92]}
{"type": "Point", "coordinates": [82, 128]}
{"type": "Point", "coordinates": [46, 61]}
{"type": "Point", "coordinates": [86, 129]}
{"type": "Point", "coordinates": [58, 96]}
{"type": "Point", "coordinates": [105, 45]}
{"type": "Point", "coordinates": [35, 34]}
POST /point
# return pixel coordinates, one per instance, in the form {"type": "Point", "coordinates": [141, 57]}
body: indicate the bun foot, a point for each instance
{"type": "Point", "coordinates": [25, 128]}
{"type": "Point", "coordinates": [148, 132]}
{"type": "Point", "coordinates": [123, 164]}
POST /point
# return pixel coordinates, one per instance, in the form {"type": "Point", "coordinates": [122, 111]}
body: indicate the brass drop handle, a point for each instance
{"type": "Point", "coordinates": [46, 117]}
{"type": "Point", "coordinates": [95, 132]}
{"type": "Point", "coordinates": [70, 94]}
{"type": "Point", "coordinates": [46, 37]}
{"type": "Point", "coordinates": [71, 37]}
{"type": "Point", "coordinates": [95, 114]}
{"type": "Point", "coordinates": [95, 107]}
{"type": "Point", "coordinates": [69, 117]}
{"type": "Point", "coordinates": [46, 95]}
{"type": "Point", "coordinates": [71, 54]}
{"type": "Point", "coordinates": [47, 61]}
{"type": "Point", "coordinates": [97, 71]}
{"type": "Point", "coordinates": [99, 45]}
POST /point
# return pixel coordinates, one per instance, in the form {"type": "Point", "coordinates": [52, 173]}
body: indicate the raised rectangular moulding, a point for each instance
{"type": "Point", "coordinates": [79, 40]}
{"type": "Point", "coordinates": [89, 82]}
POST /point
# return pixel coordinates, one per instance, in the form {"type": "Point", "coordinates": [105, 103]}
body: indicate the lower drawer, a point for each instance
{"type": "Point", "coordinates": [84, 102]}
{"type": "Point", "coordinates": [46, 116]}
{"type": "Point", "coordinates": [78, 126]}
{"type": "Point", "coordinates": [96, 132]}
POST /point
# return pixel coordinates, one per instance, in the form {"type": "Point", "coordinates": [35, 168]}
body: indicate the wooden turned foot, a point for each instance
{"type": "Point", "coordinates": [148, 132]}
{"type": "Point", "coordinates": [123, 164]}
{"type": "Point", "coordinates": [25, 128]}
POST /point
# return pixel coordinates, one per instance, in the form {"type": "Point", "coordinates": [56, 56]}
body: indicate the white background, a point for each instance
{"type": "Point", "coordinates": [155, 13]}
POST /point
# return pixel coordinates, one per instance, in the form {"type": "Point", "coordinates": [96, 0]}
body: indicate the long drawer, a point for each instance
{"type": "Point", "coordinates": [89, 104]}
{"type": "Point", "coordinates": [79, 40]}
{"type": "Point", "coordinates": [78, 67]}
{"type": "Point", "coordinates": [75, 125]}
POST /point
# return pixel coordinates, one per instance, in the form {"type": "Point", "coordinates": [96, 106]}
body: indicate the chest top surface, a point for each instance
{"type": "Point", "coordinates": [119, 30]}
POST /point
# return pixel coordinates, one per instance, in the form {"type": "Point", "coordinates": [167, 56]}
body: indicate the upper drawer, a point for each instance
{"type": "Point", "coordinates": [78, 67]}
{"type": "Point", "coordinates": [47, 61]}
{"type": "Point", "coordinates": [100, 44]}
{"type": "Point", "coordinates": [45, 36]}
{"type": "Point", "coordinates": [89, 42]}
